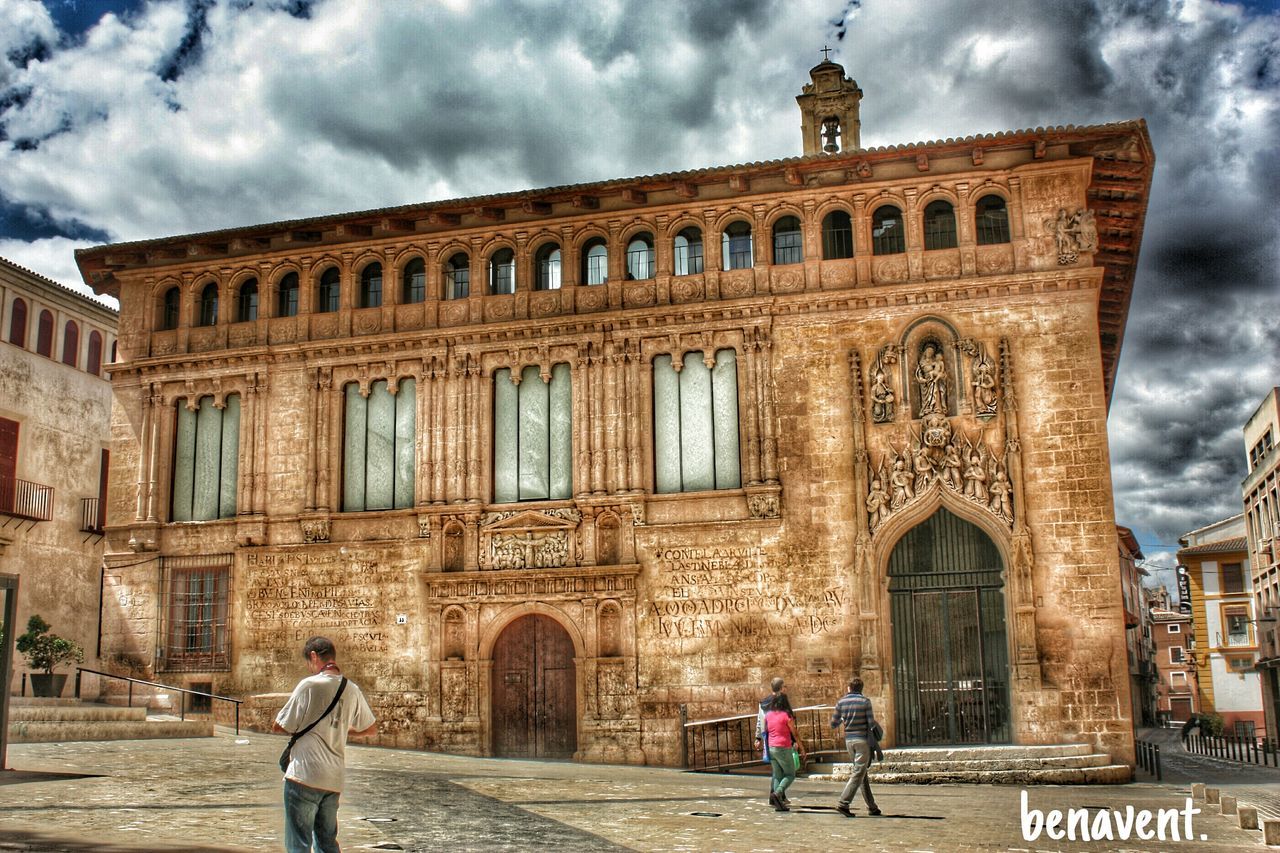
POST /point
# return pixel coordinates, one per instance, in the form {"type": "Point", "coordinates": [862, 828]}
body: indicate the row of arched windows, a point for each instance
{"type": "Point", "coordinates": [18, 318]}
{"type": "Point", "coordinates": [737, 251]}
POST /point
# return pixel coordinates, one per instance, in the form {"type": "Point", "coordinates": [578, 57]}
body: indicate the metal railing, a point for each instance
{"type": "Point", "coordinates": [1246, 750]}
{"type": "Point", "coordinates": [90, 521]}
{"type": "Point", "coordinates": [1149, 758]}
{"type": "Point", "coordinates": [728, 743]}
{"type": "Point", "coordinates": [26, 500]}
{"type": "Point", "coordinates": [181, 690]}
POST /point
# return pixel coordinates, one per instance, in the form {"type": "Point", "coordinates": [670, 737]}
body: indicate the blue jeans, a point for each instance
{"type": "Point", "coordinates": [310, 813]}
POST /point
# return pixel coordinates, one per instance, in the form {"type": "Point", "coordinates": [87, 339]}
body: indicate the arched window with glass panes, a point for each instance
{"type": "Point", "coordinates": [695, 419]}
{"type": "Point", "coordinates": [18, 323]}
{"type": "Point", "coordinates": [247, 302]}
{"type": "Point", "coordinates": [209, 305]}
{"type": "Point", "coordinates": [414, 282]}
{"type": "Point", "coordinates": [688, 251]}
{"type": "Point", "coordinates": [595, 261]}
{"type": "Point", "coordinates": [788, 241]}
{"type": "Point", "coordinates": [287, 296]}
{"type": "Point", "coordinates": [329, 291]}
{"type": "Point", "coordinates": [170, 304]}
{"type": "Point", "coordinates": [735, 246]}
{"type": "Point", "coordinates": [371, 285]}
{"type": "Point", "coordinates": [547, 263]}
{"type": "Point", "coordinates": [502, 272]}
{"type": "Point", "coordinates": [887, 232]}
{"type": "Point", "coordinates": [640, 256]}
{"type": "Point", "coordinates": [457, 277]}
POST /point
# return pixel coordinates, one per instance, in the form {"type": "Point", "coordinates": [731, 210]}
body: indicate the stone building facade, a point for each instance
{"type": "Point", "coordinates": [55, 439]}
{"type": "Point", "coordinates": [1173, 638]}
{"type": "Point", "coordinates": [1138, 629]}
{"type": "Point", "coordinates": [553, 465]}
{"type": "Point", "coordinates": [1261, 490]}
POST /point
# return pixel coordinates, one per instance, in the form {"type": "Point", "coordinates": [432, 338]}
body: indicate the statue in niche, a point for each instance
{"type": "Point", "coordinates": [877, 503]}
{"type": "Point", "coordinates": [903, 483]}
{"type": "Point", "coordinates": [453, 636]}
{"type": "Point", "coordinates": [1000, 489]}
{"type": "Point", "coordinates": [952, 468]}
{"type": "Point", "coordinates": [1084, 231]}
{"type": "Point", "coordinates": [984, 385]}
{"type": "Point", "coordinates": [931, 377]}
{"type": "Point", "coordinates": [881, 394]}
{"type": "Point", "coordinates": [975, 478]}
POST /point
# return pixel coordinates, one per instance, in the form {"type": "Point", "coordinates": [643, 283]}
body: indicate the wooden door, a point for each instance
{"type": "Point", "coordinates": [1179, 710]}
{"type": "Point", "coordinates": [534, 691]}
{"type": "Point", "coordinates": [8, 462]}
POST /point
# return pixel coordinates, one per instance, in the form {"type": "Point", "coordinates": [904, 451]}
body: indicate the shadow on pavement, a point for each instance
{"type": "Point", "coordinates": [42, 842]}
{"type": "Point", "coordinates": [17, 777]}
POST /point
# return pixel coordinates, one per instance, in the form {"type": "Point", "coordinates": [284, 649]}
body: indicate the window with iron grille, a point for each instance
{"type": "Point", "coordinates": [195, 632]}
{"type": "Point", "coordinates": [788, 243]}
{"type": "Point", "coordinates": [939, 226]}
{"type": "Point", "coordinates": [640, 257]}
{"type": "Point", "coordinates": [688, 252]}
{"type": "Point", "coordinates": [991, 216]}
{"type": "Point", "coordinates": [502, 272]}
{"type": "Point", "coordinates": [595, 262]}
{"type": "Point", "coordinates": [735, 247]}
{"type": "Point", "coordinates": [887, 237]}
{"type": "Point", "coordinates": [457, 277]}
{"type": "Point", "coordinates": [837, 236]}
{"type": "Point", "coordinates": [549, 267]}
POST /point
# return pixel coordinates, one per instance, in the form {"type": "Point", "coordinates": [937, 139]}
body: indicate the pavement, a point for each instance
{"type": "Point", "coordinates": [224, 793]}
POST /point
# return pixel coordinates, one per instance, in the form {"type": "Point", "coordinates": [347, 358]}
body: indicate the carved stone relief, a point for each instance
{"type": "Point", "coordinates": [530, 540]}
{"type": "Point", "coordinates": [880, 381]}
{"type": "Point", "coordinates": [983, 381]}
{"type": "Point", "coordinates": [1073, 235]}
{"type": "Point", "coordinates": [315, 530]}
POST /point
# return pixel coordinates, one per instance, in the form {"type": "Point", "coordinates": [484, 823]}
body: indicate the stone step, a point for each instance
{"type": "Point", "coordinates": [986, 753]}
{"type": "Point", "coordinates": [892, 764]}
{"type": "Point", "coordinates": [54, 732]}
{"type": "Point", "coordinates": [42, 701]}
{"type": "Point", "coordinates": [74, 713]}
{"type": "Point", "coordinates": [1108, 774]}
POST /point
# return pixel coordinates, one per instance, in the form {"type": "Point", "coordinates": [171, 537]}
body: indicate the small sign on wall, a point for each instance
{"type": "Point", "coordinates": [818, 665]}
{"type": "Point", "coordinates": [402, 619]}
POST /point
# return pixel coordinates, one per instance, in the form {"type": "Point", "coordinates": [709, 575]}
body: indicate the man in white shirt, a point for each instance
{"type": "Point", "coordinates": [313, 779]}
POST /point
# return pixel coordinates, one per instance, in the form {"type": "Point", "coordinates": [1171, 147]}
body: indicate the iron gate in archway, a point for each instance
{"type": "Point", "coordinates": [951, 659]}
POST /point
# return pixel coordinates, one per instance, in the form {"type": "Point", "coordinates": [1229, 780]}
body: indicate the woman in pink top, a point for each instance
{"type": "Point", "coordinates": [782, 739]}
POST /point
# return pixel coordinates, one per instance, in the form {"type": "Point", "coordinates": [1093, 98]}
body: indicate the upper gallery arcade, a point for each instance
{"type": "Point", "coordinates": [671, 433]}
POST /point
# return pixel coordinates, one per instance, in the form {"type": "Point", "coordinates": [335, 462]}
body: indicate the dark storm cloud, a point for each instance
{"type": "Point", "coordinates": [291, 109]}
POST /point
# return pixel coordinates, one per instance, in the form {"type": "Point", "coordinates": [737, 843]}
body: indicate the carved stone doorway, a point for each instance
{"type": "Point", "coordinates": [951, 657]}
{"type": "Point", "coordinates": [534, 690]}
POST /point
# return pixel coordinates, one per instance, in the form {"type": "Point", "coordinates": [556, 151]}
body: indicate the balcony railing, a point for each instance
{"type": "Point", "coordinates": [26, 500]}
{"type": "Point", "coordinates": [90, 516]}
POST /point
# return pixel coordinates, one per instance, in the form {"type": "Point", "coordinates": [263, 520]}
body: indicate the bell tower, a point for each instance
{"type": "Point", "coordinates": [829, 109]}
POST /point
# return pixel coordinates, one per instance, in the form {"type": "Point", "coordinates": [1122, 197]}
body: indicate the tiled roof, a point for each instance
{"type": "Point", "coordinates": [1222, 546]}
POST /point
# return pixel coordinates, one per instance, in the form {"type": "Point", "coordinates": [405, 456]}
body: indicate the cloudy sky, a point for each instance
{"type": "Point", "coordinates": [126, 119]}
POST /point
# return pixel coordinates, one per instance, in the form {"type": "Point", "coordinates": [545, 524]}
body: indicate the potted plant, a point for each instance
{"type": "Point", "coordinates": [44, 651]}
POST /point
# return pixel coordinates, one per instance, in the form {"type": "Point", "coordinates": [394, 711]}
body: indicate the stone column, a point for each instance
{"type": "Point", "coordinates": [755, 400]}
{"type": "Point", "coordinates": [425, 435]}
{"type": "Point", "coordinates": [581, 425]}
{"type": "Point", "coordinates": [145, 445]}
{"type": "Point", "coordinates": [475, 428]}
{"type": "Point", "coordinates": [615, 448]}
{"type": "Point", "coordinates": [248, 471]}
{"type": "Point", "coordinates": [439, 414]}
{"type": "Point", "coordinates": [769, 463]}
{"type": "Point", "coordinates": [633, 412]}
{"type": "Point", "coordinates": [597, 421]}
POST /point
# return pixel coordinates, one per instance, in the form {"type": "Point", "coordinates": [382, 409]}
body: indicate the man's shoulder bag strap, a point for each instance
{"type": "Point", "coordinates": [342, 685]}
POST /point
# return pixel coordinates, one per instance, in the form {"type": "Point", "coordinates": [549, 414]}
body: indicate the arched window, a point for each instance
{"type": "Point", "coordinates": [688, 252]}
{"type": "Point", "coordinates": [548, 261]}
{"type": "Point", "coordinates": [887, 236]}
{"type": "Point", "coordinates": [595, 262]}
{"type": "Point", "coordinates": [287, 296]}
{"type": "Point", "coordinates": [502, 272]}
{"type": "Point", "coordinates": [939, 225]}
{"type": "Point", "coordinates": [457, 277]}
{"type": "Point", "coordinates": [209, 305]}
{"type": "Point", "coordinates": [735, 246]}
{"type": "Point", "coordinates": [44, 335]}
{"type": "Point", "coordinates": [992, 220]}
{"type": "Point", "coordinates": [371, 286]}
{"type": "Point", "coordinates": [640, 256]}
{"type": "Point", "coordinates": [837, 236]}
{"type": "Point", "coordinates": [18, 323]}
{"type": "Point", "coordinates": [330, 291]}
{"type": "Point", "coordinates": [71, 343]}
{"type": "Point", "coordinates": [247, 302]}
{"type": "Point", "coordinates": [95, 353]}
{"type": "Point", "coordinates": [415, 282]}
{"type": "Point", "coordinates": [788, 242]}
{"type": "Point", "coordinates": [169, 309]}
{"type": "Point", "coordinates": [114, 353]}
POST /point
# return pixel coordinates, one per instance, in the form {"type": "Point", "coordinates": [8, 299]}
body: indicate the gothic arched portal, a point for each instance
{"type": "Point", "coordinates": [951, 656]}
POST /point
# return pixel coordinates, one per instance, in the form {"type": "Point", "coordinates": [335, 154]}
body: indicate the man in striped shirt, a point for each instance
{"type": "Point", "coordinates": [854, 713]}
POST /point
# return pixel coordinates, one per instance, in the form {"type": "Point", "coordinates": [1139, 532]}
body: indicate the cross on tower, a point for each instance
{"type": "Point", "coordinates": [825, 53]}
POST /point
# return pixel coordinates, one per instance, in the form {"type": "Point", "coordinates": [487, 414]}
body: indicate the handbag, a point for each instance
{"type": "Point", "coordinates": [288, 750]}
